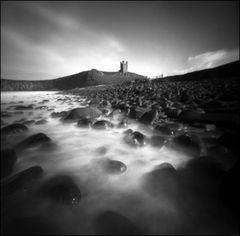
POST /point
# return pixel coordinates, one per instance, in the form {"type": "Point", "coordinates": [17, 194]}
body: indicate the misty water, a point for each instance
{"type": "Point", "coordinates": [78, 152]}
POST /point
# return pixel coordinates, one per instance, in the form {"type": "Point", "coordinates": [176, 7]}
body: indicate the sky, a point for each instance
{"type": "Point", "coordinates": [46, 40]}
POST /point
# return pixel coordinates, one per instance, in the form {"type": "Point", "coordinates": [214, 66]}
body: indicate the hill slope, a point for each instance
{"type": "Point", "coordinates": [82, 79]}
{"type": "Point", "coordinates": [223, 71]}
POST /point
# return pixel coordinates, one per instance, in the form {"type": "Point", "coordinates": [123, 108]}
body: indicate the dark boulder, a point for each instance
{"type": "Point", "coordinates": [185, 144]}
{"type": "Point", "coordinates": [41, 108]}
{"type": "Point", "coordinates": [113, 166]}
{"type": "Point", "coordinates": [83, 112]}
{"type": "Point", "coordinates": [22, 107]}
{"type": "Point", "coordinates": [33, 141]}
{"type": "Point", "coordinates": [102, 124]}
{"type": "Point", "coordinates": [41, 122]}
{"type": "Point", "coordinates": [84, 122]}
{"type": "Point", "coordinates": [163, 129]}
{"type": "Point", "coordinates": [123, 123]}
{"type": "Point", "coordinates": [14, 128]}
{"type": "Point", "coordinates": [135, 139]}
{"type": "Point", "coordinates": [149, 117]}
{"type": "Point", "coordinates": [8, 159]}
{"type": "Point", "coordinates": [61, 189]}
{"type": "Point", "coordinates": [112, 223]}
{"type": "Point", "coordinates": [229, 190]}
{"type": "Point", "coordinates": [157, 141]}
{"type": "Point", "coordinates": [202, 175]}
{"type": "Point", "coordinates": [231, 141]}
{"type": "Point", "coordinates": [21, 181]}
{"type": "Point", "coordinates": [163, 180]}
{"type": "Point", "coordinates": [32, 225]}
{"type": "Point", "coordinates": [61, 114]}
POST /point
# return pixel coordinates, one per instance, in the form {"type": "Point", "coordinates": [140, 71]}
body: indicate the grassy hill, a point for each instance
{"type": "Point", "coordinates": [223, 71]}
{"type": "Point", "coordinates": [82, 79]}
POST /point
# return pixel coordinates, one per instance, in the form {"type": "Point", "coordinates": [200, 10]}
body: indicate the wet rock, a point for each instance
{"type": "Point", "coordinates": [21, 107]}
{"type": "Point", "coordinates": [28, 122]}
{"type": "Point", "coordinates": [41, 108]}
{"type": "Point", "coordinates": [157, 141]}
{"type": "Point", "coordinates": [83, 122]}
{"type": "Point", "coordinates": [61, 189]}
{"type": "Point", "coordinates": [61, 114]}
{"type": "Point", "coordinates": [128, 131]}
{"type": "Point", "coordinates": [202, 175]}
{"type": "Point", "coordinates": [102, 124]}
{"type": "Point", "coordinates": [12, 129]}
{"type": "Point", "coordinates": [231, 141]}
{"type": "Point", "coordinates": [112, 223]}
{"type": "Point", "coordinates": [135, 139]}
{"type": "Point", "coordinates": [149, 117]}
{"type": "Point", "coordinates": [117, 115]}
{"type": "Point", "coordinates": [101, 150]}
{"type": "Point", "coordinates": [114, 167]}
{"type": "Point", "coordinates": [132, 113]}
{"type": "Point", "coordinates": [33, 141]}
{"type": "Point", "coordinates": [229, 190]}
{"type": "Point", "coordinates": [220, 119]}
{"type": "Point", "coordinates": [163, 129]}
{"type": "Point", "coordinates": [33, 225]}
{"type": "Point", "coordinates": [41, 122]}
{"type": "Point", "coordinates": [185, 144]}
{"type": "Point", "coordinates": [212, 105]}
{"type": "Point", "coordinates": [123, 123]}
{"type": "Point", "coordinates": [21, 181]}
{"type": "Point", "coordinates": [8, 159]}
{"type": "Point", "coordinates": [86, 112]}
{"type": "Point", "coordinates": [163, 180]}
{"type": "Point", "coordinates": [172, 112]}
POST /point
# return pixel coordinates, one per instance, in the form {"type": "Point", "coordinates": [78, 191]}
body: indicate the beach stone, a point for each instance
{"type": "Point", "coordinates": [14, 128]}
{"type": "Point", "coordinates": [61, 189]}
{"type": "Point", "coordinates": [157, 141]}
{"type": "Point", "coordinates": [163, 179]}
{"type": "Point", "coordinates": [84, 122]}
{"type": "Point", "coordinates": [185, 144]}
{"type": "Point", "coordinates": [149, 117]}
{"type": "Point", "coordinates": [34, 140]}
{"type": "Point", "coordinates": [135, 139]}
{"type": "Point", "coordinates": [123, 123]}
{"type": "Point", "coordinates": [231, 141]}
{"type": "Point", "coordinates": [41, 108]}
{"type": "Point", "coordinates": [163, 129]}
{"type": "Point", "coordinates": [112, 223]}
{"type": "Point", "coordinates": [202, 175]}
{"type": "Point", "coordinates": [102, 124]}
{"type": "Point", "coordinates": [21, 181]}
{"type": "Point", "coordinates": [8, 159]}
{"type": "Point", "coordinates": [132, 113]}
{"type": "Point", "coordinates": [128, 131]}
{"type": "Point", "coordinates": [229, 189]}
{"type": "Point", "coordinates": [22, 107]}
{"type": "Point", "coordinates": [32, 225]}
{"type": "Point", "coordinates": [60, 114]}
{"type": "Point", "coordinates": [83, 112]}
{"type": "Point", "coordinates": [41, 122]}
{"type": "Point", "coordinates": [114, 166]}
{"type": "Point", "coordinates": [28, 122]}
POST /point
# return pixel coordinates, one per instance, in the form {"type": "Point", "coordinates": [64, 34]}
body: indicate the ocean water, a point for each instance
{"type": "Point", "coordinates": [78, 151]}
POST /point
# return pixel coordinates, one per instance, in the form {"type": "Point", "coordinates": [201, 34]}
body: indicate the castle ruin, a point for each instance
{"type": "Point", "coordinates": [123, 67]}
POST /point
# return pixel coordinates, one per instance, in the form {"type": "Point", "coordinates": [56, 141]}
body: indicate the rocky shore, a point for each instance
{"type": "Point", "coordinates": [196, 119]}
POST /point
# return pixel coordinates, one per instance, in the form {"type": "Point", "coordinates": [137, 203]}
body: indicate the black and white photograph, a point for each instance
{"type": "Point", "coordinates": [120, 118]}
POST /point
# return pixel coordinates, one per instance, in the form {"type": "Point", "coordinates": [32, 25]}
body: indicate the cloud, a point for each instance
{"type": "Point", "coordinates": [209, 60]}
{"type": "Point", "coordinates": [214, 58]}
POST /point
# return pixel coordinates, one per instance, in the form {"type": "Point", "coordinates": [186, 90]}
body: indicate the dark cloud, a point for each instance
{"type": "Point", "coordinates": [42, 39]}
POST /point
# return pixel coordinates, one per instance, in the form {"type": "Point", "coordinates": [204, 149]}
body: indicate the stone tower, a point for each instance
{"type": "Point", "coordinates": [123, 67]}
